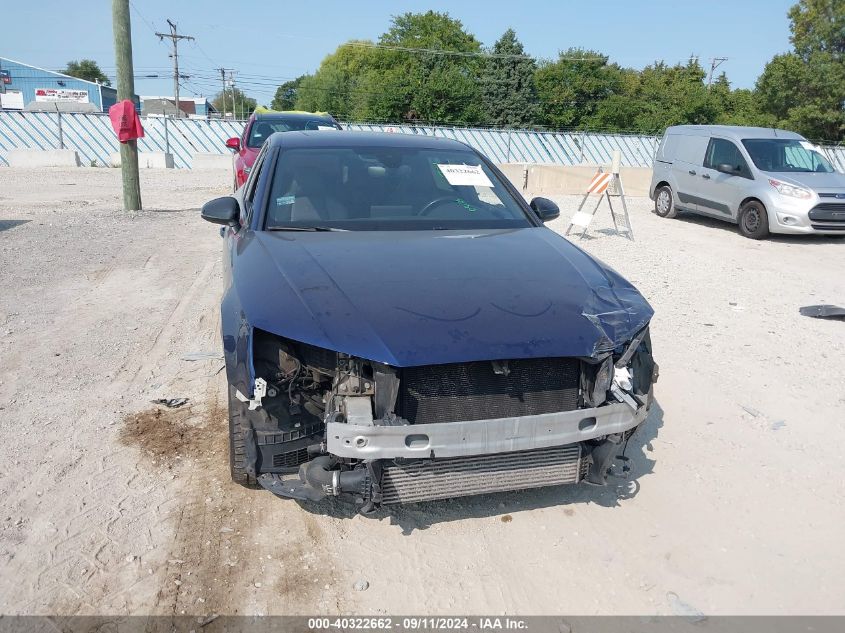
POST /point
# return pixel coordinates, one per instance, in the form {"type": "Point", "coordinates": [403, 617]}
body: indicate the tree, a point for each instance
{"type": "Point", "coordinates": [508, 92]}
{"type": "Point", "coordinates": [818, 26]}
{"type": "Point", "coordinates": [335, 87]}
{"type": "Point", "coordinates": [243, 105]}
{"type": "Point", "coordinates": [804, 90]}
{"type": "Point", "coordinates": [388, 80]}
{"type": "Point", "coordinates": [285, 98]}
{"type": "Point", "coordinates": [88, 70]}
{"type": "Point", "coordinates": [659, 96]}
{"type": "Point", "coordinates": [571, 88]}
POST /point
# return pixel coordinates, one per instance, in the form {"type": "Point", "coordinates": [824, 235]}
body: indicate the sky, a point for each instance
{"type": "Point", "coordinates": [271, 42]}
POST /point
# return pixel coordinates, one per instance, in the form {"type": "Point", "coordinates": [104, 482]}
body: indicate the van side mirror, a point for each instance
{"type": "Point", "coordinates": [221, 211]}
{"type": "Point", "coordinates": [545, 209]}
{"type": "Point", "coordinates": [727, 169]}
{"type": "Point", "coordinates": [234, 143]}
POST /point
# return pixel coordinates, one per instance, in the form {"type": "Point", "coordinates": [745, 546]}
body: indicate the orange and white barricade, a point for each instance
{"type": "Point", "coordinates": [601, 185]}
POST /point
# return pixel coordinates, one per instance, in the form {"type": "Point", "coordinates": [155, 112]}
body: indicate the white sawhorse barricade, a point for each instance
{"type": "Point", "coordinates": [602, 184]}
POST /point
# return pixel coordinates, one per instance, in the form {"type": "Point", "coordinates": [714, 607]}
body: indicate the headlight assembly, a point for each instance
{"type": "Point", "coordinates": [792, 191]}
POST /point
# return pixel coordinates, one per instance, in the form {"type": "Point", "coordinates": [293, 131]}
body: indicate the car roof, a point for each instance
{"type": "Point", "coordinates": [292, 116]}
{"type": "Point", "coordinates": [345, 139]}
{"type": "Point", "coordinates": [735, 132]}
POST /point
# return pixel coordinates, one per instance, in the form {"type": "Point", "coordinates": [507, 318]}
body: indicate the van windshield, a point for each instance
{"type": "Point", "coordinates": [792, 155]}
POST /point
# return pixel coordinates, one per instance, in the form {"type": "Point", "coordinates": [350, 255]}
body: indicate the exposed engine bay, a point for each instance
{"type": "Point", "coordinates": [323, 424]}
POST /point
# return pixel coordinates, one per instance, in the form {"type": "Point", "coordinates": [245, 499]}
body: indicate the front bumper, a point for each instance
{"type": "Point", "coordinates": [481, 437]}
{"type": "Point", "coordinates": [789, 216]}
{"type": "Point", "coordinates": [422, 462]}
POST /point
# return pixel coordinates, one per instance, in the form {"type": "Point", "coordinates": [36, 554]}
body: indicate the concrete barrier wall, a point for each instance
{"type": "Point", "coordinates": [205, 160]}
{"type": "Point", "coordinates": [146, 160]}
{"type": "Point", "coordinates": [560, 180]}
{"type": "Point", "coordinates": [43, 158]}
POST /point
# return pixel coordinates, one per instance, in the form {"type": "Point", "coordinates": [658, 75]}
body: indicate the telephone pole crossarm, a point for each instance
{"type": "Point", "coordinates": [174, 36]}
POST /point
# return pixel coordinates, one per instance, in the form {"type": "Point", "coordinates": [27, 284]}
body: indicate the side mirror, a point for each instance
{"type": "Point", "coordinates": [221, 211]}
{"type": "Point", "coordinates": [727, 169]}
{"type": "Point", "coordinates": [545, 209]}
{"type": "Point", "coordinates": [234, 143]}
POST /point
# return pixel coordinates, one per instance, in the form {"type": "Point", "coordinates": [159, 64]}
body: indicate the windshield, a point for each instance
{"type": "Point", "coordinates": [263, 128]}
{"type": "Point", "coordinates": [388, 188]}
{"type": "Point", "coordinates": [774, 154]}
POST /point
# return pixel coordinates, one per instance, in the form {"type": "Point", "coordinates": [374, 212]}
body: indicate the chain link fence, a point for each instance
{"type": "Point", "coordinates": [92, 137]}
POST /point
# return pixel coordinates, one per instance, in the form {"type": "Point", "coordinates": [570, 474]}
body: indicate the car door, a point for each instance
{"type": "Point", "coordinates": [686, 170]}
{"type": "Point", "coordinates": [721, 193]}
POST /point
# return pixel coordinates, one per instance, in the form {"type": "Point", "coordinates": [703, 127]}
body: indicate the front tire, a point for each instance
{"type": "Point", "coordinates": [237, 442]}
{"type": "Point", "coordinates": [753, 220]}
{"type": "Point", "coordinates": [664, 202]}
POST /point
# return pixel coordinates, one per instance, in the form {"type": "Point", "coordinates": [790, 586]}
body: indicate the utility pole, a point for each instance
{"type": "Point", "coordinates": [232, 86]}
{"type": "Point", "coordinates": [174, 38]}
{"type": "Point", "coordinates": [126, 90]}
{"type": "Point", "coordinates": [714, 64]}
{"type": "Point", "coordinates": [223, 82]}
{"type": "Point", "coordinates": [231, 78]}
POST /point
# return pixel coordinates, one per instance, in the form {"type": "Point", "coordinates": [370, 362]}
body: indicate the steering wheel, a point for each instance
{"type": "Point", "coordinates": [435, 203]}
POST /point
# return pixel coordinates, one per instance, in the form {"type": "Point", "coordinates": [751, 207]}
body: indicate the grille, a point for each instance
{"type": "Point", "coordinates": [830, 226]}
{"type": "Point", "coordinates": [828, 212]}
{"type": "Point", "coordinates": [472, 391]}
{"type": "Point", "coordinates": [423, 480]}
{"type": "Point", "coordinates": [291, 458]}
{"type": "Point", "coordinates": [285, 450]}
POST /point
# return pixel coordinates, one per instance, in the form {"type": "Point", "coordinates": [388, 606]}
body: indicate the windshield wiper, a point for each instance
{"type": "Point", "coordinates": [305, 228]}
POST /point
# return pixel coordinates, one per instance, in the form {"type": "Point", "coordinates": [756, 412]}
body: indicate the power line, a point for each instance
{"type": "Point", "coordinates": [440, 51]}
{"type": "Point", "coordinates": [174, 37]}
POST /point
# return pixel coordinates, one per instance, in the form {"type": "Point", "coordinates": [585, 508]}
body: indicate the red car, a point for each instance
{"type": "Point", "coordinates": [259, 127]}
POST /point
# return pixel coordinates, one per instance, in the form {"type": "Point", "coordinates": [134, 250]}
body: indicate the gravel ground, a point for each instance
{"type": "Point", "coordinates": [112, 504]}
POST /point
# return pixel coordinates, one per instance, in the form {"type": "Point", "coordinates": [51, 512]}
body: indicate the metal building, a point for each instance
{"type": "Point", "coordinates": [26, 87]}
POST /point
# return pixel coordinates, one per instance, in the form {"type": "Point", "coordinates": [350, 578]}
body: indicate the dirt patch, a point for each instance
{"type": "Point", "coordinates": [507, 518]}
{"type": "Point", "coordinates": [167, 435]}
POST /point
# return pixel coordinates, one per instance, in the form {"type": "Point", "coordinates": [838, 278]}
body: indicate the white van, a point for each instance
{"type": "Point", "coordinates": [762, 179]}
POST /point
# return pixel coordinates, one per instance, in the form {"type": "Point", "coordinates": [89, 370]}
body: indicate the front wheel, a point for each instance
{"type": "Point", "coordinates": [664, 204]}
{"type": "Point", "coordinates": [753, 220]}
{"type": "Point", "coordinates": [237, 442]}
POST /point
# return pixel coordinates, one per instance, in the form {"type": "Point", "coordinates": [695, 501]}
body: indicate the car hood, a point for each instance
{"type": "Point", "coordinates": [432, 297]}
{"type": "Point", "coordinates": [814, 181]}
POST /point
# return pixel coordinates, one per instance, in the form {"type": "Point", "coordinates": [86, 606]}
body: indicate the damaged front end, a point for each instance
{"type": "Point", "coordinates": [325, 424]}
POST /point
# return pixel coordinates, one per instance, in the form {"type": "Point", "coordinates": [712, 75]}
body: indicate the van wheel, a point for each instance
{"type": "Point", "coordinates": [753, 220]}
{"type": "Point", "coordinates": [664, 205]}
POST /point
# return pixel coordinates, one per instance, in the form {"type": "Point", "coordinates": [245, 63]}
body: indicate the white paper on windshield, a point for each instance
{"type": "Point", "coordinates": [465, 175]}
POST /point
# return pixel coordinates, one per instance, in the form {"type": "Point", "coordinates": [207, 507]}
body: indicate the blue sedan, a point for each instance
{"type": "Point", "coordinates": [399, 326]}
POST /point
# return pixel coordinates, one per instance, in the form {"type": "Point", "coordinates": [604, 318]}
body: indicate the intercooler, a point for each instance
{"type": "Point", "coordinates": [478, 391]}
{"type": "Point", "coordinates": [423, 480]}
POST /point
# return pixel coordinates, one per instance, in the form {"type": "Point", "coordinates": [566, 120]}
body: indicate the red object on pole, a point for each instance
{"type": "Point", "coordinates": [125, 121]}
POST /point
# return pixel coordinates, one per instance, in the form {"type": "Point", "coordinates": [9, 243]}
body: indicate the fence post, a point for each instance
{"type": "Point", "coordinates": [61, 134]}
{"type": "Point", "coordinates": [509, 146]}
{"type": "Point", "coordinates": [166, 136]}
{"type": "Point", "coordinates": [581, 147]}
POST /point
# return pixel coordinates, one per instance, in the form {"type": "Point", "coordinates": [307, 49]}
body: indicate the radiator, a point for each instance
{"type": "Point", "coordinates": [422, 480]}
